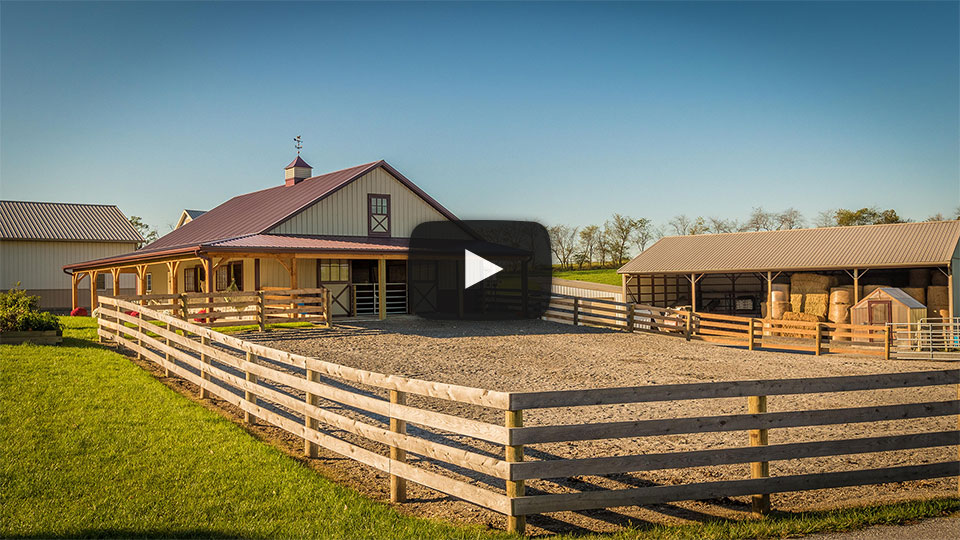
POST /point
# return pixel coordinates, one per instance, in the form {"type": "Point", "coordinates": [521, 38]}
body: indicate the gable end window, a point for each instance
{"type": "Point", "coordinates": [378, 214]}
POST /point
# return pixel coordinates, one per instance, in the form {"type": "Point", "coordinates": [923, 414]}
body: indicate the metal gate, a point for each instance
{"type": "Point", "coordinates": [367, 298]}
{"type": "Point", "coordinates": [932, 338]}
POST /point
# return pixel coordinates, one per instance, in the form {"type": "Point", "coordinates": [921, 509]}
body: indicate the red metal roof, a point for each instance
{"type": "Point", "coordinates": [299, 162]}
{"type": "Point", "coordinates": [23, 220]}
{"type": "Point", "coordinates": [311, 243]}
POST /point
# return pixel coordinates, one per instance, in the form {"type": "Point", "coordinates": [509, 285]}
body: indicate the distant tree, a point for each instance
{"type": "Point", "coordinates": [603, 246]}
{"type": "Point", "coordinates": [957, 211]}
{"type": "Point", "coordinates": [866, 216]}
{"type": "Point", "coordinates": [589, 236]}
{"type": "Point", "coordinates": [827, 218]}
{"type": "Point", "coordinates": [718, 225]}
{"type": "Point", "coordinates": [563, 243]}
{"type": "Point", "coordinates": [760, 220]}
{"type": "Point", "coordinates": [680, 225]}
{"type": "Point", "coordinates": [791, 218]}
{"type": "Point", "coordinates": [619, 232]}
{"type": "Point", "coordinates": [148, 233]}
{"type": "Point", "coordinates": [644, 233]}
{"type": "Point", "coordinates": [699, 226]}
{"type": "Point", "coordinates": [937, 217]}
{"type": "Point", "coordinates": [580, 257]}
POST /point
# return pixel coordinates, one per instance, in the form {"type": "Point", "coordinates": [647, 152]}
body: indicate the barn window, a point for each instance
{"type": "Point", "coordinates": [378, 214]}
{"type": "Point", "coordinates": [149, 282]}
{"type": "Point", "coordinates": [192, 278]}
{"type": "Point", "coordinates": [230, 275]}
{"type": "Point", "coordinates": [333, 270]}
{"type": "Point", "coordinates": [101, 281]}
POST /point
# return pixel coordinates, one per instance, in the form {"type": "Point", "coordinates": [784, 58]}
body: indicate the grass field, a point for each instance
{"type": "Point", "coordinates": [94, 446]}
{"type": "Point", "coordinates": [608, 276]}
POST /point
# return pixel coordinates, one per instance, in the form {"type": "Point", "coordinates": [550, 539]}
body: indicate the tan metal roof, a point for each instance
{"type": "Point", "coordinates": [830, 248]}
{"type": "Point", "coordinates": [23, 220]}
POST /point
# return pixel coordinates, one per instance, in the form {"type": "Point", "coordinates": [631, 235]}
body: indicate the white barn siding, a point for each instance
{"type": "Point", "coordinates": [344, 213]}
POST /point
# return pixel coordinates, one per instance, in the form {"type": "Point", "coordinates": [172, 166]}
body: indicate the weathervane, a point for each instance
{"type": "Point", "coordinates": [298, 144]}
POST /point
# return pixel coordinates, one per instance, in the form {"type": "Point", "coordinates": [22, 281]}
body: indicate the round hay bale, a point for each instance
{"type": "Point", "coordinates": [841, 295]}
{"type": "Point", "coordinates": [917, 293]}
{"type": "Point", "coordinates": [781, 296]}
{"type": "Point", "coordinates": [867, 289]}
{"type": "Point", "coordinates": [937, 296]}
{"type": "Point", "coordinates": [779, 309]}
{"type": "Point", "coordinates": [782, 287]}
{"type": "Point", "coordinates": [839, 313]}
{"type": "Point", "coordinates": [919, 277]}
{"type": "Point", "coordinates": [938, 278]}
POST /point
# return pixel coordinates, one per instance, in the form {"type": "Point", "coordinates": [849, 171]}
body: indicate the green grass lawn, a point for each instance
{"type": "Point", "coordinates": [93, 445]}
{"type": "Point", "coordinates": [608, 276]}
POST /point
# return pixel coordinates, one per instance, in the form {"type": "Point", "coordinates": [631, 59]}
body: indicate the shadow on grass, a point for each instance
{"type": "Point", "coordinates": [132, 533]}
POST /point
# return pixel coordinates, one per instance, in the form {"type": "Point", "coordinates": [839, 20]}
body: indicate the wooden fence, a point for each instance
{"type": "Point", "coordinates": [237, 308]}
{"type": "Point", "coordinates": [363, 415]}
{"type": "Point", "coordinates": [752, 333]}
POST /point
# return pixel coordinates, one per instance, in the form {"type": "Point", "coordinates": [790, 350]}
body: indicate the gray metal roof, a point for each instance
{"type": "Point", "coordinates": [898, 295]}
{"type": "Point", "coordinates": [829, 248]}
{"type": "Point", "coordinates": [194, 214]}
{"type": "Point", "coordinates": [23, 220]}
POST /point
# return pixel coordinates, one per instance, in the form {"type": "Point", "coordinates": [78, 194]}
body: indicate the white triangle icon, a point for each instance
{"type": "Point", "coordinates": [476, 268]}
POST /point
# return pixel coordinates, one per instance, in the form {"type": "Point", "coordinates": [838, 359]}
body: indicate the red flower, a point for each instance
{"type": "Point", "coordinates": [78, 312]}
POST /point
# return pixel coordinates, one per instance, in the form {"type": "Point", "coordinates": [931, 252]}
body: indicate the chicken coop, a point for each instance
{"type": "Point", "coordinates": [887, 305]}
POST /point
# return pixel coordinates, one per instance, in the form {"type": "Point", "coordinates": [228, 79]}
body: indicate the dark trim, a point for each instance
{"type": "Point", "coordinates": [256, 274]}
{"type": "Point", "coordinates": [370, 197]}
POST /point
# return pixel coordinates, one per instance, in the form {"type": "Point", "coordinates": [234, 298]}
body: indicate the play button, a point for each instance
{"type": "Point", "coordinates": [476, 268]}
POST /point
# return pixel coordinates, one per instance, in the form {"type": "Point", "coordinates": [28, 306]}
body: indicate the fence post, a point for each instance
{"type": "Point", "coordinates": [689, 332]}
{"type": "Point", "coordinates": [759, 469]}
{"type": "Point", "coordinates": [261, 318]}
{"type": "Point", "coordinates": [204, 374]}
{"type": "Point", "coordinates": [166, 355]}
{"type": "Point", "coordinates": [515, 488]}
{"type": "Point", "coordinates": [182, 299]}
{"type": "Point", "coordinates": [576, 310]}
{"type": "Point", "coordinates": [398, 485]}
{"type": "Point", "coordinates": [752, 333]}
{"type": "Point", "coordinates": [886, 342]}
{"type": "Point", "coordinates": [819, 339]}
{"type": "Point", "coordinates": [139, 333]}
{"type": "Point", "coordinates": [310, 449]}
{"type": "Point", "coordinates": [328, 316]}
{"type": "Point", "coordinates": [247, 394]}
{"type": "Point", "coordinates": [631, 309]}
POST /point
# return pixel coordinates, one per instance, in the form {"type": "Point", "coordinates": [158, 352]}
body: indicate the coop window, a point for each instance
{"type": "Point", "coordinates": [333, 270]}
{"type": "Point", "coordinates": [378, 214]}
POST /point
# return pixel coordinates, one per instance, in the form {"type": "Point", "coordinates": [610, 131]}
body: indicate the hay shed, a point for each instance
{"type": "Point", "coordinates": [887, 305]}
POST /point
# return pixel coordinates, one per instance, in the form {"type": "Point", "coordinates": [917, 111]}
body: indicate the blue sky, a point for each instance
{"type": "Point", "coordinates": [555, 112]}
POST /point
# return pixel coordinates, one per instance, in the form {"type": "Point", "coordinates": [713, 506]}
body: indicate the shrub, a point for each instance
{"type": "Point", "coordinates": [79, 312]}
{"type": "Point", "coordinates": [20, 312]}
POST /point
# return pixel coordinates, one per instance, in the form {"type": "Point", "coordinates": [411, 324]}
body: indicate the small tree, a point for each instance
{"type": "Point", "coordinates": [760, 220]}
{"type": "Point", "coordinates": [589, 236]}
{"type": "Point", "coordinates": [699, 226]}
{"type": "Point", "coordinates": [791, 218]}
{"type": "Point", "coordinates": [644, 233]}
{"type": "Point", "coordinates": [680, 225]}
{"type": "Point", "coordinates": [563, 243]}
{"type": "Point", "coordinates": [619, 231]}
{"type": "Point", "coordinates": [718, 225]}
{"type": "Point", "coordinates": [148, 233]}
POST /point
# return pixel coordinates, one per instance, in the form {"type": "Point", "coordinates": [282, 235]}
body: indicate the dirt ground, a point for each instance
{"type": "Point", "coordinates": [539, 355]}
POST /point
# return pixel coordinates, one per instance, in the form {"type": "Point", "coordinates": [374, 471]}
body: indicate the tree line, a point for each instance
{"type": "Point", "coordinates": [610, 244]}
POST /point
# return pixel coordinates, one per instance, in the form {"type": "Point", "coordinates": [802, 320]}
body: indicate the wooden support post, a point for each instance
{"type": "Point", "coordinates": [631, 310]}
{"type": "Point", "coordinates": [856, 285]}
{"type": "Point", "coordinates": [294, 284]}
{"type": "Point", "coordinates": [261, 317]}
{"type": "Point", "coordinates": [576, 310]}
{"type": "Point", "coordinates": [752, 332]}
{"type": "Point", "coordinates": [327, 310]}
{"type": "Point", "coordinates": [182, 300]}
{"type": "Point", "coordinates": [93, 290]}
{"type": "Point", "coordinates": [623, 288]}
{"type": "Point", "coordinates": [204, 393]}
{"type": "Point", "coordinates": [515, 488]}
{"type": "Point", "coordinates": [116, 281]}
{"type": "Point", "coordinates": [819, 336]}
{"type": "Point", "coordinates": [759, 469]}
{"type": "Point", "coordinates": [74, 291]}
{"type": "Point", "coordinates": [382, 287]}
{"type": "Point", "coordinates": [398, 486]}
{"type": "Point", "coordinates": [248, 395]}
{"type": "Point", "coordinates": [950, 293]}
{"type": "Point", "coordinates": [173, 280]}
{"type": "Point", "coordinates": [693, 293]}
{"type": "Point", "coordinates": [770, 295]}
{"type": "Point", "coordinates": [310, 449]}
{"type": "Point", "coordinates": [887, 338]}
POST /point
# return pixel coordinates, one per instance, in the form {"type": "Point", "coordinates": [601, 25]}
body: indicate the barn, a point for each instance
{"type": "Point", "coordinates": [347, 231]}
{"type": "Point", "coordinates": [821, 272]}
{"type": "Point", "coordinates": [38, 238]}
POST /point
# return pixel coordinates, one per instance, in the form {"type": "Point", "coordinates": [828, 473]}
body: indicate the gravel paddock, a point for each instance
{"type": "Point", "coordinates": [540, 355]}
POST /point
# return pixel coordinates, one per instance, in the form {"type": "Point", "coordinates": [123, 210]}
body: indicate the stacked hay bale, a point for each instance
{"type": "Point", "coordinates": [938, 301]}
{"type": "Point", "coordinates": [920, 277]}
{"type": "Point", "coordinates": [917, 293]}
{"type": "Point", "coordinates": [809, 293]}
{"type": "Point", "coordinates": [841, 298]}
{"type": "Point", "coordinates": [938, 278]}
{"type": "Point", "coordinates": [867, 289]}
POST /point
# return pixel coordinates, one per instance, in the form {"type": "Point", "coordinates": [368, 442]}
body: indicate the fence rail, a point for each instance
{"type": "Point", "coordinates": [752, 333]}
{"type": "Point", "coordinates": [331, 406]}
{"type": "Point", "coordinates": [237, 308]}
{"type": "Point", "coordinates": [928, 339]}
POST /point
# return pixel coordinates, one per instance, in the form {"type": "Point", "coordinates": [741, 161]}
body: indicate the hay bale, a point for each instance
{"type": "Point", "coordinates": [796, 302]}
{"type": "Point", "coordinates": [917, 293]}
{"type": "Point", "coordinates": [810, 317]}
{"type": "Point", "coordinates": [937, 278]}
{"type": "Point", "coordinates": [810, 283]}
{"type": "Point", "coordinates": [919, 277]}
{"type": "Point", "coordinates": [816, 304]}
{"type": "Point", "coordinates": [781, 296]}
{"type": "Point", "coordinates": [779, 308]}
{"type": "Point", "coordinates": [839, 313]}
{"type": "Point", "coordinates": [763, 310]}
{"type": "Point", "coordinates": [790, 316]}
{"type": "Point", "coordinates": [782, 287]}
{"type": "Point", "coordinates": [841, 295]}
{"type": "Point", "coordinates": [867, 289]}
{"type": "Point", "coordinates": [937, 296]}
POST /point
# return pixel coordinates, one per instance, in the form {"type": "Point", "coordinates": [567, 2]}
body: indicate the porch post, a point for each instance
{"type": "Point", "coordinates": [172, 279]}
{"type": "Point", "coordinates": [769, 294]}
{"type": "Point", "coordinates": [693, 293]}
{"type": "Point", "coordinates": [856, 285]}
{"type": "Point", "coordinates": [74, 292]}
{"type": "Point", "coordinates": [116, 281]}
{"type": "Point", "coordinates": [382, 286]}
{"type": "Point", "coordinates": [93, 290]}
